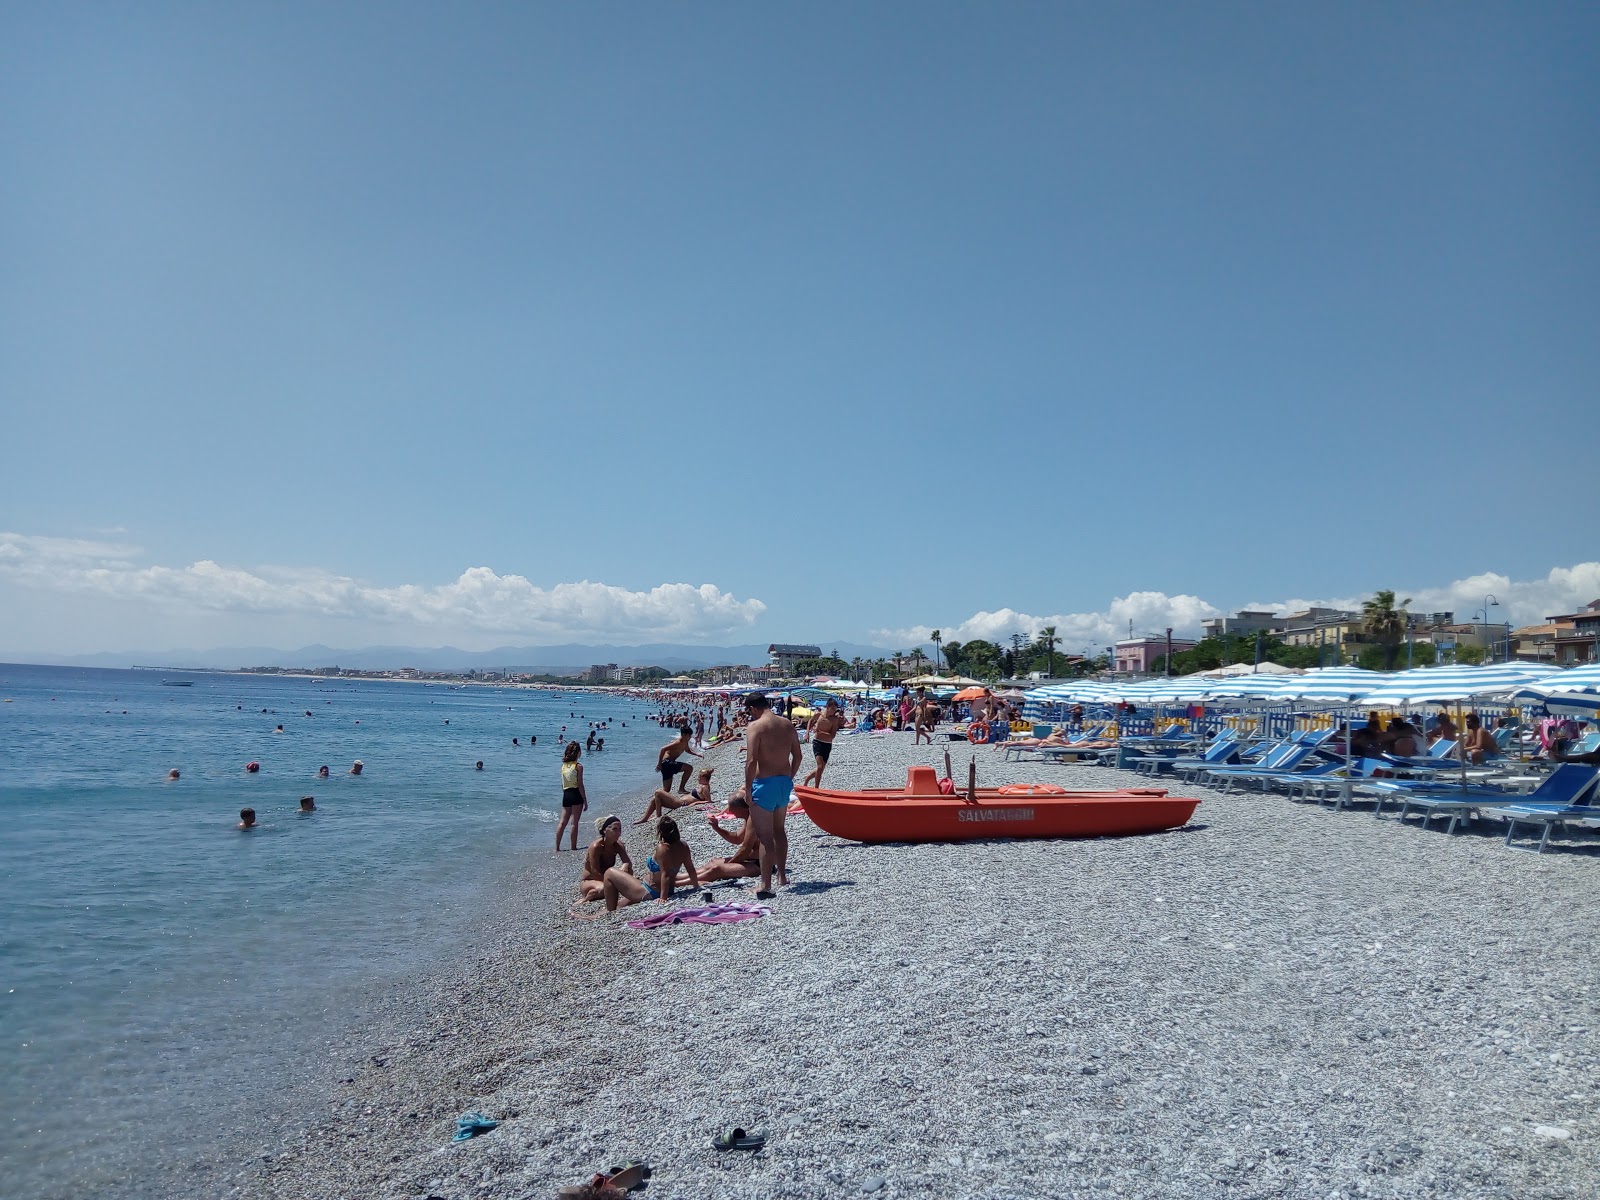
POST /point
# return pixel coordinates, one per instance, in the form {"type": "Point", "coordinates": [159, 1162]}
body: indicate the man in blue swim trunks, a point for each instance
{"type": "Point", "coordinates": [773, 758]}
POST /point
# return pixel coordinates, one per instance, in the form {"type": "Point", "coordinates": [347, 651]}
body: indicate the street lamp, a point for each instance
{"type": "Point", "coordinates": [1487, 601]}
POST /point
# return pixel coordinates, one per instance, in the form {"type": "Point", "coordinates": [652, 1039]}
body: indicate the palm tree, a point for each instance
{"type": "Point", "coordinates": [952, 657]}
{"type": "Point", "coordinates": [1385, 624]}
{"type": "Point", "coordinates": [898, 655]}
{"type": "Point", "coordinates": [1049, 640]}
{"type": "Point", "coordinates": [937, 641]}
{"type": "Point", "coordinates": [917, 659]}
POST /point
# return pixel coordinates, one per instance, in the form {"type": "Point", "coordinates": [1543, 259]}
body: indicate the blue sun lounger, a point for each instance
{"type": "Point", "coordinates": [1559, 799]}
{"type": "Point", "coordinates": [1552, 801]}
{"type": "Point", "coordinates": [1224, 748]}
{"type": "Point", "coordinates": [1284, 758]}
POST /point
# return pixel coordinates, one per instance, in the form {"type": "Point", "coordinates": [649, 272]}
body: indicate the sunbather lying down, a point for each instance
{"type": "Point", "coordinates": [1055, 739]}
{"type": "Point", "coordinates": [663, 800]}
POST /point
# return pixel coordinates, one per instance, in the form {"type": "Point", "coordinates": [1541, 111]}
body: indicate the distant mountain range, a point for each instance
{"type": "Point", "coordinates": [547, 660]}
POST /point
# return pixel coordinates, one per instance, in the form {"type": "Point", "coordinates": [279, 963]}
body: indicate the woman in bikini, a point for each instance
{"type": "Point", "coordinates": [574, 800]}
{"type": "Point", "coordinates": [661, 871]}
{"type": "Point", "coordinates": [664, 799]}
{"type": "Point", "coordinates": [603, 854]}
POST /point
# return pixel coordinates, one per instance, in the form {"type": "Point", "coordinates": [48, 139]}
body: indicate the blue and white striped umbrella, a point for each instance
{"type": "Point", "coordinates": [1085, 691]}
{"type": "Point", "coordinates": [1573, 704]}
{"type": "Point", "coordinates": [1455, 682]}
{"type": "Point", "coordinates": [1332, 685]}
{"type": "Point", "coordinates": [1558, 699]}
{"type": "Point", "coordinates": [1574, 679]}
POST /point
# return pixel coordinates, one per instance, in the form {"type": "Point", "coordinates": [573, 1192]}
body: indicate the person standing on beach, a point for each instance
{"type": "Point", "coordinates": [574, 798]}
{"type": "Point", "coordinates": [773, 756]}
{"type": "Point", "coordinates": [823, 727]}
{"type": "Point", "coordinates": [669, 766]}
{"type": "Point", "coordinates": [922, 715]}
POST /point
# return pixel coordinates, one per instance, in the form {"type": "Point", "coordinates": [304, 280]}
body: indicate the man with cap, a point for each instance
{"type": "Point", "coordinates": [773, 757]}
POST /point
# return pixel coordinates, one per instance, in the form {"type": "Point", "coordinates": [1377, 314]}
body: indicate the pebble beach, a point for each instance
{"type": "Point", "coordinates": [1277, 1000]}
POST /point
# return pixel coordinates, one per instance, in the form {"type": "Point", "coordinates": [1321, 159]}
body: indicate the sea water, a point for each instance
{"type": "Point", "coordinates": [161, 970]}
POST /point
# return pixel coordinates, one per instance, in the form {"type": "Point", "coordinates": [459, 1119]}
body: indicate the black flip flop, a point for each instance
{"type": "Point", "coordinates": [739, 1139]}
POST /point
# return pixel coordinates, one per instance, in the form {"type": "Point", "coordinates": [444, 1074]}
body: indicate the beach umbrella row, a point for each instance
{"type": "Point", "coordinates": [1333, 686]}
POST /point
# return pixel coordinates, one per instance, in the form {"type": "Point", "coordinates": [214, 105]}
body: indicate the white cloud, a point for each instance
{"type": "Point", "coordinates": [1150, 612]}
{"type": "Point", "coordinates": [1522, 602]}
{"type": "Point", "coordinates": [480, 600]}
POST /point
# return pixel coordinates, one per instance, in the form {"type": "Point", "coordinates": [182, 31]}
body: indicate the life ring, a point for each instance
{"type": "Point", "coordinates": [1032, 789]}
{"type": "Point", "coordinates": [978, 732]}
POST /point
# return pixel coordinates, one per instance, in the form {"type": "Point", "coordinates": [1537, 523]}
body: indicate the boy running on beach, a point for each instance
{"type": "Point", "coordinates": [669, 766]}
{"type": "Point", "coordinates": [823, 727]}
{"type": "Point", "coordinates": [773, 755]}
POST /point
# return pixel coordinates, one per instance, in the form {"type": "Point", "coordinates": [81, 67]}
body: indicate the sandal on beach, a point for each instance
{"type": "Point", "coordinates": [629, 1175]}
{"type": "Point", "coordinates": [738, 1139]}
{"type": "Point", "coordinates": [596, 1189]}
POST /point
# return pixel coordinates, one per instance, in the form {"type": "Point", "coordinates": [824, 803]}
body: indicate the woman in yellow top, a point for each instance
{"type": "Point", "coordinates": [574, 800]}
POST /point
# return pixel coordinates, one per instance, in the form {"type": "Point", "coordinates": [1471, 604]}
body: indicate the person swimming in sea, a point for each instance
{"type": "Point", "coordinates": [322, 772]}
{"type": "Point", "coordinates": [172, 774]}
{"type": "Point", "coordinates": [355, 767]}
{"type": "Point", "coordinates": [308, 804]}
{"type": "Point", "coordinates": [478, 766]}
{"type": "Point", "coordinates": [247, 818]}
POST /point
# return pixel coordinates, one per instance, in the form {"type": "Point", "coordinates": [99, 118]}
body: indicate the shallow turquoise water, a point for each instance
{"type": "Point", "coordinates": [157, 964]}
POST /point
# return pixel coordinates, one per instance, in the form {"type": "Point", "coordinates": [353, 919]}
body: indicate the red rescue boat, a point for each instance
{"type": "Point", "coordinates": [919, 812]}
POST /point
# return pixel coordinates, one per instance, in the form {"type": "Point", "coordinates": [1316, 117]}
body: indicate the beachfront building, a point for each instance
{"type": "Point", "coordinates": [1244, 622]}
{"type": "Point", "coordinates": [600, 672]}
{"type": "Point", "coordinates": [1319, 627]}
{"type": "Point", "coordinates": [784, 657]}
{"type": "Point", "coordinates": [1533, 643]}
{"type": "Point", "coordinates": [1577, 636]}
{"type": "Point", "coordinates": [1134, 657]}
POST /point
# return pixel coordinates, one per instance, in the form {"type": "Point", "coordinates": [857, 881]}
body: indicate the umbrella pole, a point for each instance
{"type": "Point", "coordinates": [1349, 739]}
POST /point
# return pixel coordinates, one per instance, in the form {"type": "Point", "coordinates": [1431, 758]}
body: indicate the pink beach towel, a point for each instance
{"type": "Point", "coordinates": [729, 912]}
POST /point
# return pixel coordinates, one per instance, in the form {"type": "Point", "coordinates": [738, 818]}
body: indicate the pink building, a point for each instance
{"type": "Point", "coordinates": [1138, 656]}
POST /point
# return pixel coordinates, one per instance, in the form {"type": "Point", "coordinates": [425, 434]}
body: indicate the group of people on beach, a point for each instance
{"type": "Point", "coordinates": [773, 757]}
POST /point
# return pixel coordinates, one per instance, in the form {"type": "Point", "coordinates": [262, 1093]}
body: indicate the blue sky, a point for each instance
{"type": "Point", "coordinates": [850, 320]}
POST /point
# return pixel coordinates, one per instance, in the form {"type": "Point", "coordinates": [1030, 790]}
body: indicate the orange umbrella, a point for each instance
{"type": "Point", "coordinates": [971, 693]}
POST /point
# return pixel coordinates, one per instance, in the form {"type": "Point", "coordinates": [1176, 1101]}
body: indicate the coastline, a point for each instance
{"type": "Point", "coordinates": [1277, 1000]}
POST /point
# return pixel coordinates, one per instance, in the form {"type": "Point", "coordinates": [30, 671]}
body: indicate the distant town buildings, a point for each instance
{"type": "Point", "coordinates": [784, 657]}
{"type": "Point", "coordinates": [1568, 639]}
{"type": "Point", "coordinates": [1138, 655]}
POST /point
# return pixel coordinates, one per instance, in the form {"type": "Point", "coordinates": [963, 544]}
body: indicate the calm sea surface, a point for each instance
{"type": "Point", "coordinates": [158, 967]}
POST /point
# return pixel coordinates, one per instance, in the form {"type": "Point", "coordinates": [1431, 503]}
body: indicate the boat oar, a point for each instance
{"type": "Point", "coordinates": [972, 781]}
{"type": "Point", "coordinates": [947, 773]}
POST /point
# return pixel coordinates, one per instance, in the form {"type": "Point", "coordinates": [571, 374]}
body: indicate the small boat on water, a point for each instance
{"type": "Point", "coordinates": [177, 683]}
{"type": "Point", "coordinates": [919, 812]}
